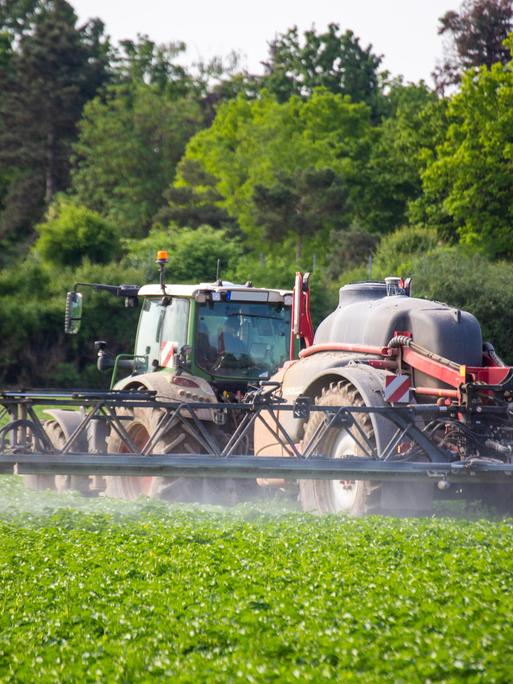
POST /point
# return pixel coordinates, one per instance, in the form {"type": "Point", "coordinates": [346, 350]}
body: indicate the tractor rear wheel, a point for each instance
{"type": "Point", "coordinates": [63, 483]}
{"type": "Point", "coordinates": [179, 439]}
{"type": "Point", "coordinates": [140, 424]}
{"type": "Point", "coordinates": [355, 497]}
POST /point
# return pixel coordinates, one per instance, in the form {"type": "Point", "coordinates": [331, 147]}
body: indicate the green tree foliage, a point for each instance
{"type": "Point", "coordinates": [196, 201]}
{"type": "Point", "coordinates": [144, 61]}
{"type": "Point", "coordinates": [402, 146]}
{"type": "Point", "coordinates": [223, 80]}
{"type": "Point", "coordinates": [53, 69]}
{"type": "Point", "coordinates": [207, 82]}
{"type": "Point", "coordinates": [29, 324]}
{"type": "Point", "coordinates": [476, 36]}
{"type": "Point", "coordinates": [468, 189]}
{"type": "Point", "coordinates": [261, 151]}
{"type": "Point", "coordinates": [332, 60]}
{"type": "Point", "coordinates": [349, 249]}
{"type": "Point", "coordinates": [73, 233]}
{"type": "Point", "coordinates": [300, 205]}
{"type": "Point", "coordinates": [396, 254]}
{"type": "Point", "coordinates": [305, 168]}
{"type": "Point", "coordinates": [129, 144]}
{"type": "Point", "coordinates": [193, 254]}
{"type": "Point", "coordinates": [16, 16]}
{"type": "Point", "coordinates": [6, 174]}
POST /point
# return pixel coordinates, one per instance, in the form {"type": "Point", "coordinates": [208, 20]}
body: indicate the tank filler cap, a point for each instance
{"type": "Point", "coordinates": [398, 286]}
{"type": "Point", "coordinates": [394, 286]}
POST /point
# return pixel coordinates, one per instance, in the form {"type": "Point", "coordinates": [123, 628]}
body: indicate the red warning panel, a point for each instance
{"type": "Point", "coordinates": [167, 354]}
{"type": "Point", "coordinates": [397, 389]}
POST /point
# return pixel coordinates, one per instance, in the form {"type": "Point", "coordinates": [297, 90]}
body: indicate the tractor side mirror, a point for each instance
{"type": "Point", "coordinates": [73, 313]}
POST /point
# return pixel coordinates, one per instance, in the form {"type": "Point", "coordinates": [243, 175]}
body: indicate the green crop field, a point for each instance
{"type": "Point", "coordinates": [103, 591]}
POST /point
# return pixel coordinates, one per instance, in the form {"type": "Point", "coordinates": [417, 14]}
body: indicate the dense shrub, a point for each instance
{"type": "Point", "coordinates": [73, 233]}
{"type": "Point", "coordinates": [452, 275]}
{"type": "Point", "coordinates": [35, 351]}
{"type": "Point", "coordinates": [473, 283]}
{"type": "Point", "coordinates": [30, 324]}
{"type": "Point", "coordinates": [397, 251]}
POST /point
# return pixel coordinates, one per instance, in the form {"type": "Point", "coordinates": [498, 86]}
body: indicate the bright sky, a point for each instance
{"type": "Point", "coordinates": [404, 31]}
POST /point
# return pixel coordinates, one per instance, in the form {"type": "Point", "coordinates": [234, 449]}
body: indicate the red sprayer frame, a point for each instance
{"type": "Point", "coordinates": [301, 323]}
{"type": "Point", "coordinates": [450, 373]}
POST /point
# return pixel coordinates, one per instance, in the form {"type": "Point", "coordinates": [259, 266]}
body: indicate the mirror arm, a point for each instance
{"type": "Point", "coordinates": [118, 290]}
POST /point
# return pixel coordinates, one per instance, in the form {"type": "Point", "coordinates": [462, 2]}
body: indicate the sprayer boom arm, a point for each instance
{"type": "Point", "coordinates": [240, 467]}
{"type": "Point", "coordinates": [25, 448]}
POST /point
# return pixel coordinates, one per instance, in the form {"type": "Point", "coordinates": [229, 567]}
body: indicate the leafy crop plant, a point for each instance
{"type": "Point", "coordinates": [108, 591]}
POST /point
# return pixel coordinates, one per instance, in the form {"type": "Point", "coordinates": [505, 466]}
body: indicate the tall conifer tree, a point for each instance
{"type": "Point", "coordinates": [54, 68]}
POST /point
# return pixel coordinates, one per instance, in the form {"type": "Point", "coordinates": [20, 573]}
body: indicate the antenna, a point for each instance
{"type": "Point", "coordinates": [218, 269]}
{"type": "Point", "coordinates": [161, 261]}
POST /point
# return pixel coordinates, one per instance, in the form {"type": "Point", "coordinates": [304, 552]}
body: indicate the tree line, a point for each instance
{"type": "Point", "coordinates": [324, 161]}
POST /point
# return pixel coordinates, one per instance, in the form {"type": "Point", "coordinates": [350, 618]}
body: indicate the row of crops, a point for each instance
{"type": "Point", "coordinates": [103, 591]}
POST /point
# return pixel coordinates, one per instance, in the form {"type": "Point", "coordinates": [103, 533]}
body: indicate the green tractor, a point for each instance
{"type": "Point", "coordinates": [208, 342]}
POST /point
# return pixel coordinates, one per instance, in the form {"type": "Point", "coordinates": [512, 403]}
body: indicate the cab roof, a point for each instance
{"type": "Point", "coordinates": [244, 292]}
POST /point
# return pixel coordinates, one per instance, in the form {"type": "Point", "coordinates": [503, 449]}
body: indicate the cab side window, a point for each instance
{"type": "Point", "coordinates": [147, 343]}
{"type": "Point", "coordinates": [176, 322]}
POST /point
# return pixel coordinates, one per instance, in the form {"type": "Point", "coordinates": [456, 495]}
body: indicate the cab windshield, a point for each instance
{"type": "Point", "coordinates": [242, 339]}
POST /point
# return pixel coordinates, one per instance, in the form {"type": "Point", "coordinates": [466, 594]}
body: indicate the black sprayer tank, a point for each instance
{"type": "Point", "coordinates": [366, 315]}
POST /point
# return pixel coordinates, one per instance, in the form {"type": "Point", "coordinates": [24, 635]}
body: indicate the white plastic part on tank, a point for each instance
{"type": "Point", "coordinates": [393, 285]}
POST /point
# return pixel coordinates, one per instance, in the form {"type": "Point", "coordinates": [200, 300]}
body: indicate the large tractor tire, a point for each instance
{"type": "Point", "coordinates": [140, 425]}
{"type": "Point", "coordinates": [355, 497]}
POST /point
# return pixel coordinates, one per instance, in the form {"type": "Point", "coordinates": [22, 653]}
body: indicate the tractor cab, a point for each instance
{"type": "Point", "coordinates": [228, 334]}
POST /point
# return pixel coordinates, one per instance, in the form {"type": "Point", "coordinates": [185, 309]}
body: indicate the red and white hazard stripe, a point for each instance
{"type": "Point", "coordinates": [167, 354]}
{"type": "Point", "coordinates": [397, 389]}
